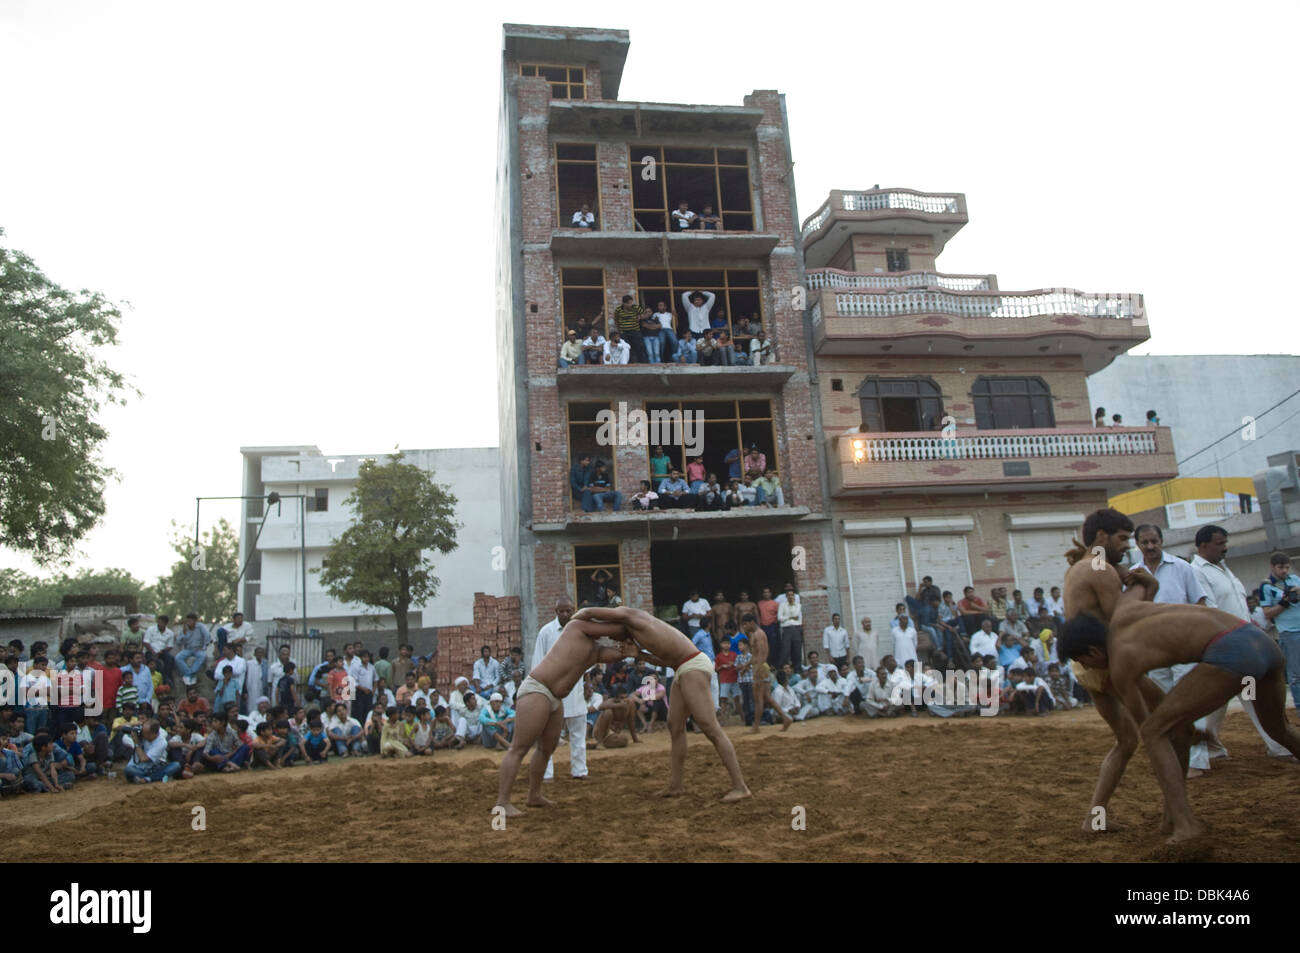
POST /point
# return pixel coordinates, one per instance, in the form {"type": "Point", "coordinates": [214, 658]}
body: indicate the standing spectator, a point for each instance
{"type": "Point", "coordinates": [141, 679]}
{"type": "Point", "coordinates": [904, 635]}
{"type": "Point", "coordinates": [745, 679]}
{"type": "Point", "coordinates": [667, 335]}
{"type": "Point", "coordinates": [768, 621]}
{"type": "Point", "coordinates": [627, 319]}
{"type": "Point", "coordinates": [1099, 418]}
{"type": "Point", "coordinates": [789, 614]}
{"type": "Point", "coordinates": [864, 643]}
{"type": "Point", "coordinates": [237, 663]}
{"type": "Point", "coordinates": [37, 688]}
{"type": "Point", "coordinates": [575, 703]}
{"type": "Point", "coordinates": [584, 218]}
{"type": "Point", "coordinates": [697, 305]}
{"type": "Point", "coordinates": [1153, 420]}
{"type": "Point", "coordinates": [835, 641]}
{"type": "Point", "coordinates": [1281, 607]}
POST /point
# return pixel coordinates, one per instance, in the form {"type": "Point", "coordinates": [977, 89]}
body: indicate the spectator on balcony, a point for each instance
{"type": "Point", "coordinates": [705, 348]}
{"type": "Point", "coordinates": [686, 350]}
{"type": "Point", "coordinates": [710, 495]}
{"type": "Point", "coordinates": [745, 329]}
{"type": "Point", "coordinates": [593, 348]}
{"type": "Point", "coordinates": [600, 489]}
{"type": "Point", "coordinates": [646, 498]}
{"type": "Point", "coordinates": [660, 464]}
{"type": "Point", "coordinates": [769, 490]}
{"type": "Point", "coordinates": [584, 217]}
{"type": "Point", "coordinates": [580, 475]}
{"type": "Point", "coordinates": [718, 321]}
{"type": "Point", "coordinates": [586, 325]}
{"type": "Point", "coordinates": [1099, 418]}
{"type": "Point", "coordinates": [698, 304]}
{"type": "Point", "coordinates": [760, 350]}
{"type": "Point", "coordinates": [683, 218]}
{"type": "Point", "coordinates": [627, 318]}
{"type": "Point", "coordinates": [746, 491]}
{"type": "Point", "coordinates": [724, 353]}
{"type": "Point", "coordinates": [651, 337]}
{"type": "Point", "coordinates": [732, 460]}
{"type": "Point", "coordinates": [1116, 420]}
{"type": "Point", "coordinates": [676, 492]}
{"type": "Point", "coordinates": [734, 497]}
{"type": "Point", "coordinates": [667, 336]}
{"type": "Point", "coordinates": [755, 462]}
{"type": "Point", "coordinates": [571, 350]}
{"type": "Point", "coordinates": [695, 474]}
{"type": "Point", "coordinates": [1153, 419]}
{"type": "Point", "coordinates": [709, 220]}
{"type": "Point", "coordinates": [617, 351]}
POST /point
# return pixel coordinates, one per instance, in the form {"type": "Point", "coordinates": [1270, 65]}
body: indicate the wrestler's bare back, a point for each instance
{"type": "Point", "coordinates": [657, 637]}
{"type": "Point", "coordinates": [1166, 634]}
{"type": "Point", "coordinates": [575, 652]}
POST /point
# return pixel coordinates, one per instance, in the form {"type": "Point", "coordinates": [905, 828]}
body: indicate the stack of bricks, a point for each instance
{"type": "Point", "coordinates": [496, 624]}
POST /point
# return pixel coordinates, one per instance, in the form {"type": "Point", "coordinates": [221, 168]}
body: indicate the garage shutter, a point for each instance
{"type": "Point", "coordinates": [1038, 557]}
{"type": "Point", "coordinates": [875, 585]}
{"type": "Point", "coordinates": [942, 558]}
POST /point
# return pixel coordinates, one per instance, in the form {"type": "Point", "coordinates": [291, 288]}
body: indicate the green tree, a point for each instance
{"type": "Point", "coordinates": [213, 568]}
{"type": "Point", "coordinates": [52, 385]}
{"type": "Point", "coordinates": [19, 590]}
{"type": "Point", "coordinates": [400, 514]}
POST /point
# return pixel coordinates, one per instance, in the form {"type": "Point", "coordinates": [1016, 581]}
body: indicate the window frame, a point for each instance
{"type": "Point", "coordinates": [681, 406]}
{"type": "Point", "coordinates": [674, 291]}
{"type": "Point", "coordinates": [662, 166]}
{"type": "Point", "coordinates": [569, 424]}
{"type": "Point", "coordinates": [986, 418]}
{"type": "Point", "coordinates": [922, 381]}
{"type": "Point", "coordinates": [592, 567]}
{"type": "Point", "coordinates": [568, 82]}
{"type": "Point", "coordinates": [565, 322]}
{"type": "Point", "coordinates": [556, 162]}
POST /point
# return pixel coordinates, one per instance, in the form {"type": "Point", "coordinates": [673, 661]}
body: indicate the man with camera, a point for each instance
{"type": "Point", "coordinates": [1280, 602]}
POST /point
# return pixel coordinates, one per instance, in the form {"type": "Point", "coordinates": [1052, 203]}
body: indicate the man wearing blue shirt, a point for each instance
{"type": "Point", "coordinates": [676, 492]}
{"type": "Point", "coordinates": [1281, 604]}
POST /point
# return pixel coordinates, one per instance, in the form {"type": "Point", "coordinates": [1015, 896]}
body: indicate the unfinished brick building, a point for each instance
{"type": "Point", "coordinates": [567, 140]}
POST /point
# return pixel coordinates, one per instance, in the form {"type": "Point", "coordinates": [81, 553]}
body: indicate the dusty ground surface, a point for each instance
{"type": "Point", "coordinates": [1004, 789]}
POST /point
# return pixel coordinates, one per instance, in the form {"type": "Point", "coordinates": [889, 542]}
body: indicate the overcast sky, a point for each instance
{"type": "Point", "coordinates": [296, 198]}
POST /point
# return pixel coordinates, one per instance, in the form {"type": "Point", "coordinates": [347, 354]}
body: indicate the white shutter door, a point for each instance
{"type": "Point", "coordinates": [1038, 556]}
{"type": "Point", "coordinates": [943, 559]}
{"type": "Point", "coordinates": [876, 585]}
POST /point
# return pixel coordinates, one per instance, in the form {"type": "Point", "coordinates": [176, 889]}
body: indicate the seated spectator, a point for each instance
{"type": "Point", "coordinates": [392, 739]}
{"type": "Point", "coordinates": [193, 703]}
{"type": "Point", "coordinates": [832, 694]}
{"type": "Point", "coordinates": [705, 347]}
{"type": "Point", "coordinates": [761, 350]}
{"type": "Point", "coordinates": [1059, 687]}
{"type": "Point", "coordinates": [121, 738]}
{"type": "Point", "coordinates": [469, 727]}
{"type": "Point", "coordinates": [746, 328]}
{"type": "Point", "coordinates": [266, 750]}
{"type": "Point", "coordinates": [724, 354]}
{"type": "Point", "coordinates": [998, 604]}
{"type": "Point", "coordinates": [599, 490]}
{"type": "Point", "coordinates": [486, 676]}
{"type": "Point", "coordinates": [498, 723]}
{"type": "Point", "coordinates": [422, 735]}
{"type": "Point", "coordinates": [1032, 693]}
{"type": "Point", "coordinates": [11, 764]}
{"type": "Point", "coordinates": [345, 732]}
{"type": "Point", "coordinates": [768, 490]}
{"type": "Point", "coordinates": [878, 702]}
{"type": "Point", "coordinates": [676, 492]}
{"type": "Point", "coordinates": [571, 350]}
{"type": "Point", "coordinates": [41, 771]}
{"type": "Point", "coordinates": [444, 732]}
{"type": "Point", "coordinates": [584, 218]}
{"type": "Point", "coordinates": [151, 760]}
{"type": "Point", "coordinates": [984, 641]}
{"type": "Point", "coordinates": [1056, 606]}
{"type": "Point", "coordinates": [973, 610]}
{"type": "Point", "coordinates": [732, 495]}
{"type": "Point", "coordinates": [747, 492]}
{"type": "Point", "coordinates": [594, 348]}
{"type": "Point", "coordinates": [710, 221]}
{"type": "Point", "coordinates": [1013, 626]}
{"type": "Point", "coordinates": [789, 702]}
{"type": "Point", "coordinates": [1017, 602]}
{"type": "Point", "coordinates": [710, 495]}
{"type": "Point", "coordinates": [70, 756]}
{"type": "Point", "coordinates": [616, 350]}
{"type": "Point", "coordinates": [682, 217]}
{"type": "Point", "coordinates": [686, 349]}
{"type": "Point", "coordinates": [223, 751]}
{"type": "Point", "coordinates": [646, 498]}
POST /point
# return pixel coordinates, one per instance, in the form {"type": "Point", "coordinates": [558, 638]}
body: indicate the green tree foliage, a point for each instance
{"type": "Point", "coordinates": [380, 560]}
{"type": "Point", "coordinates": [52, 385]}
{"type": "Point", "coordinates": [215, 573]}
{"type": "Point", "coordinates": [19, 590]}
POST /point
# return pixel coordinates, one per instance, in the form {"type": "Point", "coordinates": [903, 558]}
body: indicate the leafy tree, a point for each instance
{"type": "Point", "coordinates": [215, 571]}
{"type": "Point", "coordinates": [52, 385]}
{"type": "Point", "coordinates": [19, 590]}
{"type": "Point", "coordinates": [400, 514]}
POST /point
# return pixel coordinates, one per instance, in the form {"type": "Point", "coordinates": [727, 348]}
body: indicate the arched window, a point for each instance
{"type": "Point", "coordinates": [1012, 403]}
{"type": "Point", "coordinates": [900, 404]}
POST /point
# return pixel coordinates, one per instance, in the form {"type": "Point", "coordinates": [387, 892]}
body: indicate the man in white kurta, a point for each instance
{"type": "Point", "coordinates": [904, 633]}
{"type": "Point", "coordinates": [575, 703]}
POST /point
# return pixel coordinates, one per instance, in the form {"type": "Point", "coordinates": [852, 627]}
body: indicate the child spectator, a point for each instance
{"type": "Point", "coordinates": [1032, 693]}
{"type": "Point", "coordinates": [392, 743]}
{"type": "Point", "coordinates": [745, 678]}
{"type": "Point", "coordinates": [267, 749]}
{"type": "Point", "coordinates": [646, 498]}
{"type": "Point", "coordinates": [68, 752]}
{"type": "Point", "coordinates": [315, 742]}
{"type": "Point", "coordinates": [40, 772]}
{"type": "Point", "coordinates": [227, 690]}
{"type": "Point", "coordinates": [728, 686]}
{"type": "Point", "coordinates": [11, 765]}
{"type": "Point", "coordinates": [1059, 686]}
{"type": "Point", "coordinates": [422, 736]}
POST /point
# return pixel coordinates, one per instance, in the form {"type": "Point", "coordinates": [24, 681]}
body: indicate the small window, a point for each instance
{"type": "Point", "coordinates": [597, 573]}
{"type": "Point", "coordinates": [319, 502]}
{"type": "Point", "coordinates": [900, 405]}
{"type": "Point", "coordinates": [837, 384]}
{"type": "Point", "coordinates": [567, 82]}
{"type": "Point", "coordinates": [1012, 403]}
{"type": "Point", "coordinates": [896, 259]}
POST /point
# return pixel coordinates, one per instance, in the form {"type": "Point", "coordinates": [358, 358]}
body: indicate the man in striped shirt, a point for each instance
{"type": "Point", "coordinates": [627, 318]}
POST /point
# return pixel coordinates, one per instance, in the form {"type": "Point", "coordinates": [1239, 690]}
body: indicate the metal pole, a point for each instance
{"type": "Point", "coordinates": [302, 521]}
{"type": "Point", "coordinates": [194, 570]}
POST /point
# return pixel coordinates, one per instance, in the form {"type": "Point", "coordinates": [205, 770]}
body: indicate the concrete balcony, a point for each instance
{"type": "Point", "coordinates": [896, 211]}
{"type": "Point", "coordinates": [1113, 458]}
{"type": "Point", "coordinates": [576, 246]}
{"type": "Point", "coordinates": [957, 323]}
{"type": "Point", "coordinates": [836, 279]}
{"type": "Point", "coordinates": [634, 121]}
{"type": "Point", "coordinates": [671, 380]}
{"type": "Point", "coordinates": [746, 519]}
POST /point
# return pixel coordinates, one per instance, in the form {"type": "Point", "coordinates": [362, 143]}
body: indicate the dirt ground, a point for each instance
{"type": "Point", "coordinates": [977, 789]}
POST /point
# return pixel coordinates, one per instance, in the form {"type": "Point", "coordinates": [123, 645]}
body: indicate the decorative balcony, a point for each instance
{"type": "Point", "coordinates": [1116, 458]}
{"type": "Point", "coordinates": [900, 211]}
{"type": "Point", "coordinates": [819, 278]}
{"type": "Point", "coordinates": [958, 322]}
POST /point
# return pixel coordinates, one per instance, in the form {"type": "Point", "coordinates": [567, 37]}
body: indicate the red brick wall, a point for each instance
{"type": "Point", "coordinates": [496, 623]}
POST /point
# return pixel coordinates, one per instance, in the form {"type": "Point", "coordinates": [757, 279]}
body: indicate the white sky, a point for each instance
{"type": "Point", "coordinates": [296, 197]}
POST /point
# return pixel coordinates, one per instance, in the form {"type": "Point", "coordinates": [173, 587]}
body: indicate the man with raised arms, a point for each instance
{"type": "Point", "coordinates": [539, 709]}
{"type": "Point", "coordinates": [1093, 585]}
{"type": "Point", "coordinates": [1231, 654]}
{"type": "Point", "coordinates": [661, 644]}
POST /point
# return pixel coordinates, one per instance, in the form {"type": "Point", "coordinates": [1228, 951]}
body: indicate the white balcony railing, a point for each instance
{"type": "Point", "coordinates": [1001, 444]}
{"type": "Point", "coordinates": [882, 200]}
{"type": "Point", "coordinates": [834, 278]}
{"type": "Point", "coordinates": [991, 304]}
{"type": "Point", "coordinates": [1197, 512]}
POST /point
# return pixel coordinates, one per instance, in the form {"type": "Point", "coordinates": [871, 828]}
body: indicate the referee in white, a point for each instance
{"type": "Point", "coordinates": [575, 703]}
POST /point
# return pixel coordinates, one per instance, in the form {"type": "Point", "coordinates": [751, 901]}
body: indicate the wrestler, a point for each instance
{"type": "Point", "coordinates": [762, 671]}
{"type": "Point", "coordinates": [661, 644]}
{"type": "Point", "coordinates": [539, 710]}
{"type": "Point", "coordinates": [1231, 654]}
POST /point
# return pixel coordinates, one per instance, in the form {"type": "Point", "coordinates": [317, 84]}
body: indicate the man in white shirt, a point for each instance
{"type": "Point", "coordinates": [984, 642]}
{"type": "Point", "coordinates": [1056, 605]}
{"type": "Point", "coordinates": [904, 633]}
{"type": "Point", "coordinates": [864, 643]}
{"type": "Point", "coordinates": [805, 690]}
{"type": "Point", "coordinates": [487, 672]}
{"type": "Point", "coordinates": [575, 703]}
{"type": "Point", "coordinates": [835, 641]}
{"type": "Point", "coordinates": [1223, 591]}
{"type": "Point", "coordinates": [694, 609]}
{"type": "Point", "coordinates": [859, 683]}
{"type": "Point", "coordinates": [617, 351]}
{"type": "Point", "coordinates": [832, 694]}
{"type": "Point", "coordinates": [275, 671]}
{"type": "Point", "coordinates": [697, 305]}
{"type": "Point", "coordinates": [789, 616]}
{"type": "Point", "coordinates": [760, 350]}
{"type": "Point", "coordinates": [584, 218]}
{"type": "Point", "coordinates": [239, 667]}
{"type": "Point", "coordinates": [237, 630]}
{"type": "Point", "coordinates": [593, 348]}
{"type": "Point", "coordinates": [785, 696]}
{"type": "Point", "coordinates": [683, 218]}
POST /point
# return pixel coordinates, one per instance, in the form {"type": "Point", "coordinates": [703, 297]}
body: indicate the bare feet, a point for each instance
{"type": "Point", "coordinates": [672, 792]}
{"type": "Point", "coordinates": [510, 810]}
{"type": "Point", "coordinates": [1196, 772]}
{"type": "Point", "coordinates": [754, 730]}
{"type": "Point", "coordinates": [1190, 834]}
{"type": "Point", "coordinates": [736, 795]}
{"type": "Point", "coordinates": [785, 725]}
{"type": "Point", "coordinates": [538, 801]}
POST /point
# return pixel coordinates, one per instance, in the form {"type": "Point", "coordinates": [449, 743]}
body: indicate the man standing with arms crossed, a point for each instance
{"type": "Point", "coordinates": [575, 703]}
{"type": "Point", "coordinates": [1224, 591]}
